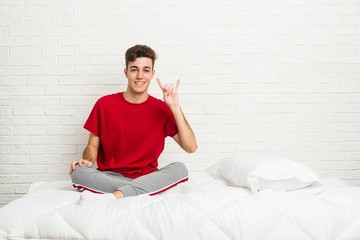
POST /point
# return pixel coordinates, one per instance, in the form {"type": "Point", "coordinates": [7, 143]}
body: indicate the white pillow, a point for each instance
{"type": "Point", "coordinates": [259, 174]}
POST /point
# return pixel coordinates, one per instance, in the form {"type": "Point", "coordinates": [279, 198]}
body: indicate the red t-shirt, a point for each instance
{"type": "Point", "coordinates": [132, 136]}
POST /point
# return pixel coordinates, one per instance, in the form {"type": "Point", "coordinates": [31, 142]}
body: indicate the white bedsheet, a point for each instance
{"type": "Point", "coordinates": [202, 208]}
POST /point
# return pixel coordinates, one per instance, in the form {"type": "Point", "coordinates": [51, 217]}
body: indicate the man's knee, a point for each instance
{"type": "Point", "coordinates": [181, 169]}
{"type": "Point", "coordinates": [79, 173]}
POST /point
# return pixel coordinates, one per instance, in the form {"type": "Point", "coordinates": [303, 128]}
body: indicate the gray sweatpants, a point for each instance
{"type": "Point", "coordinates": [89, 178]}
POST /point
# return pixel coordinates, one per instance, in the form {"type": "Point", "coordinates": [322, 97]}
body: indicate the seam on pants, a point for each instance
{"type": "Point", "coordinates": [81, 187]}
{"type": "Point", "coordinates": [168, 187]}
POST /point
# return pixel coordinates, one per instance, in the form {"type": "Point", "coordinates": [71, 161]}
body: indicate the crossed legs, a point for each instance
{"type": "Point", "coordinates": [93, 180]}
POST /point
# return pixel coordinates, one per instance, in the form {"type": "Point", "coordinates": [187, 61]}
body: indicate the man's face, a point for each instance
{"type": "Point", "coordinates": [139, 74]}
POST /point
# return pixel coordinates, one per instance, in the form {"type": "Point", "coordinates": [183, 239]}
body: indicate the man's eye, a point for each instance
{"type": "Point", "coordinates": [132, 70]}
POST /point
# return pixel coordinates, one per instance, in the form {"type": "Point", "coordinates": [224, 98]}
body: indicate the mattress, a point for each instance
{"type": "Point", "coordinates": [202, 208]}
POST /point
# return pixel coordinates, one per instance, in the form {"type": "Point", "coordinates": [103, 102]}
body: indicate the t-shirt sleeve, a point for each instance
{"type": "Point", "coordinates": [170, 127]}
{"type": "Point", "coordinates": [93, 122]}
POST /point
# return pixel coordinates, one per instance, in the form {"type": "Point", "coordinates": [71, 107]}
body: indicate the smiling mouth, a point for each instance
{"type": "Point", "coordinates": [139, 83]}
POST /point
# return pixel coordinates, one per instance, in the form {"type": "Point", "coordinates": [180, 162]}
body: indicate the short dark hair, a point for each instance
{"type": "Point", "coordinates": [139, 51]}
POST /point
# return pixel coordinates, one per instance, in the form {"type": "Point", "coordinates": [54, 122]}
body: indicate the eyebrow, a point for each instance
{"type": "Point", "coordinates": [146, 67]}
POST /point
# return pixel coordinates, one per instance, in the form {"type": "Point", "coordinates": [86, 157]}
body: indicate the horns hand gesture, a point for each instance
{"type": "Point", "coordinates": [170, 93]}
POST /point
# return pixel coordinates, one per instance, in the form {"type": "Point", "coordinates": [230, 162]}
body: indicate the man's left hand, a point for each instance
{"type": "Point", "coordinates": [170, 93]}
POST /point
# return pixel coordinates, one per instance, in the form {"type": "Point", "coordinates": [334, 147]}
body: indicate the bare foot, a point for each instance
{"type": "Point", "coordinates": [118, 194]}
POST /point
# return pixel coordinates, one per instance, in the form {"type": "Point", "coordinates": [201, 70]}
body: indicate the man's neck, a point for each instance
{"type": "Point", "coordinates": [135, 98]}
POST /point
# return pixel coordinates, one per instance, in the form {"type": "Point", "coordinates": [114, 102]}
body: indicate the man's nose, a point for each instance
{"type": "Point", "coordinates": [139, 74]}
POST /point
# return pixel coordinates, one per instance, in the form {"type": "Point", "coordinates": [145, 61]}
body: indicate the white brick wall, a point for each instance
{"type": "Point", "coordinates": [270, 77]}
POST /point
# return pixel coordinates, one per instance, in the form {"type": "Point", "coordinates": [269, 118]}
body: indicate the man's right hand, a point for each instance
{"type": "Point", "coordinates": [80, 163]}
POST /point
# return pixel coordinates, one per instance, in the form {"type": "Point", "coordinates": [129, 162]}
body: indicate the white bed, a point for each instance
{"type": "Point", "coordinates": [202, 208]}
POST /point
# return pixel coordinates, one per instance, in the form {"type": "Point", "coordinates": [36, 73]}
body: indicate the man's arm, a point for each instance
{"type": "Point", "coordinates": [90, 153]}
{"type": "Point", "coordinates": [185, 137]}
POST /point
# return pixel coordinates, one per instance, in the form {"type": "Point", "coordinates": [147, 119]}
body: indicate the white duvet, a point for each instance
{"type": "Point", "coordinates": [202, 208]}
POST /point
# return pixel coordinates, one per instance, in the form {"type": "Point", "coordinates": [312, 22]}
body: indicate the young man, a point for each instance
{"type": "Point", "coordinates": [127, 135]}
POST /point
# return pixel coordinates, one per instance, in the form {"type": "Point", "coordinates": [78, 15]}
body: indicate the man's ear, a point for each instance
{"type": "Point", "coordinates": [125, 71]}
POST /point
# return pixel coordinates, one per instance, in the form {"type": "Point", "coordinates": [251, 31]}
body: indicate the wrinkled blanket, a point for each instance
{"type": "Point", "coordinates": [202, 208]}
